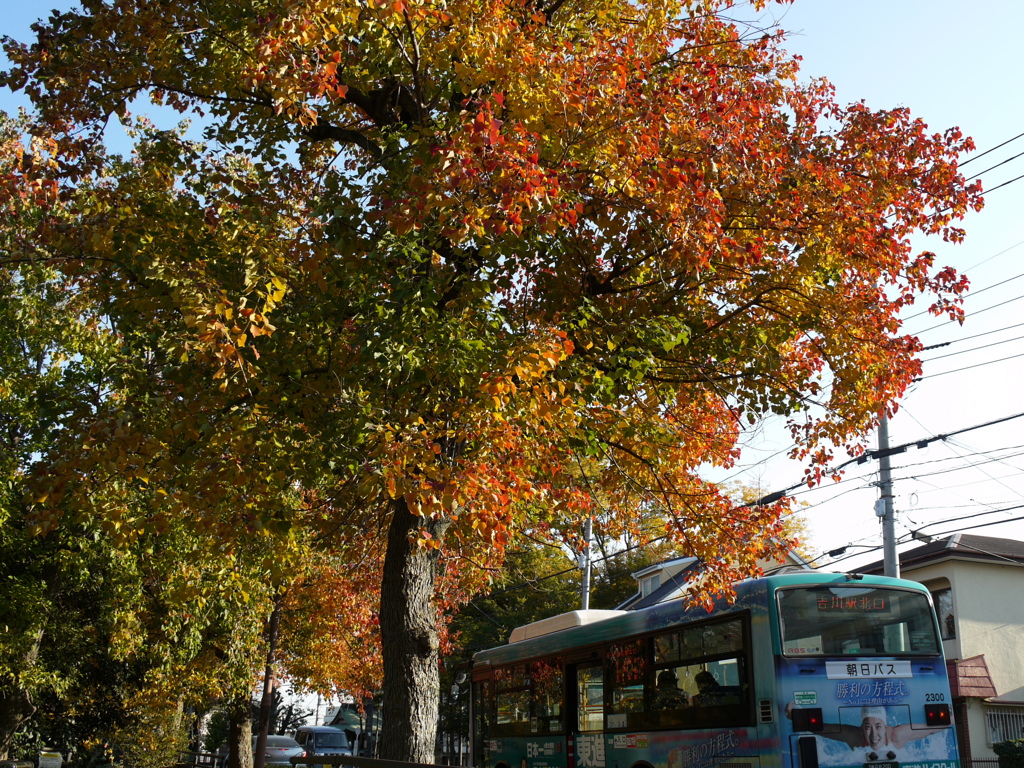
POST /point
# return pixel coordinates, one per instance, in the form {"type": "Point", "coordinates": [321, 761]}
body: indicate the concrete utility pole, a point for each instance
{"type": "Point", "coordinates": [585, 558]}
{"type": "Point", "coordinates": [884, 506]}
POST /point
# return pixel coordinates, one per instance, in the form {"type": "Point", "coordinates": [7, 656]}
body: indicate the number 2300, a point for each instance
{"type": "Point", "coordinates": [934, 697]}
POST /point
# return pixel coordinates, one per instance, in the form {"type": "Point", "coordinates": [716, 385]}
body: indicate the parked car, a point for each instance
{"type": "Point", "coordinates": [280, 750]}
{"type": "Point", "coordinates": [324, 740]}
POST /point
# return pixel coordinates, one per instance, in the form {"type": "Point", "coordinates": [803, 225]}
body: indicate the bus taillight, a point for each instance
{"type": "Point", "coordinates": [936, 714]}
{"type": "Point", "coordinates": [809, 719]}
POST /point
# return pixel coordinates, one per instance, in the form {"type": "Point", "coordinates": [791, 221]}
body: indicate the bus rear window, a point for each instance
{"type": "Point", "coordinates": [855, 621]}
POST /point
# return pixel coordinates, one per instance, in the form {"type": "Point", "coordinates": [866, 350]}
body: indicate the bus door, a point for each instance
{"type": "Point", "coordinates": [585, 717]}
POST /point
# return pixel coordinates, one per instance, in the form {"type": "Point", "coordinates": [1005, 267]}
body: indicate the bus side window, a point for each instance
{"type": "Point", "coordinates": [627, 672]}
{"type": "Point", "coordinates": [546, 677]}
{"type": "Point", "coordinates": [481, 730]}
{"type": "Point", "coordinates": [590, 698]}
{"type": "Point", "coordinates": [707, 686]}
{"type": "Point", "coordinates": [512, 699]}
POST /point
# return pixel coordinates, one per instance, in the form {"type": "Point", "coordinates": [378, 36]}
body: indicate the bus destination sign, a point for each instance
{"type": "Point", "coordinates": [876, 603]}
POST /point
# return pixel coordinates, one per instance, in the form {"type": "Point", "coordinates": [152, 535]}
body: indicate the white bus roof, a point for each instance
{"type": "Point", "coordinates": [560, 622]}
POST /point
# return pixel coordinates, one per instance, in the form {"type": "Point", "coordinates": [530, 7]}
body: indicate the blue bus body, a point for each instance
{"type": "Point", "coordinates": [801, 670]}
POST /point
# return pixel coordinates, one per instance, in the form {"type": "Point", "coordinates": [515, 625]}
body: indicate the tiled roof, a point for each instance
{"type": "Point", "coordinates": [961, 545]}
{"type": "Point", "coordinates": [970, 677]}
{"type": "Point", "coordinates": [670, 589]}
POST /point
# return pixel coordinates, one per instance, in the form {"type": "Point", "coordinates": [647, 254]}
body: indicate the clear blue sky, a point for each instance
{"type": "Point", "coordinates": [953, 64]}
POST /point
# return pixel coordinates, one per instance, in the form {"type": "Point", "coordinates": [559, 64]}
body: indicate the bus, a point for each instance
{"type": "Point", "coordinates": [801, 670]}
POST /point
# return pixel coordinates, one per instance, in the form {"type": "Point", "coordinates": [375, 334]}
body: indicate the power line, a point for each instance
{"type": "Point", "coordinates": [958, 529]}
{"type": "Point", "coordinates": [959, 468]}
{"type": "Point", "coordinates": [975, 336]}
{"type": "Point", "coordinates": [973, 293]}
{"type": "Point", "coordinates": [1001, 282]}
{"type": "Point", "coordinates": [960, 518]}
{"type": "Point", "coordinates": [903, 540]}
{"type": "Point", "coordinates": [1000, 304]}
{"type": "Point", "coordinates": [996, 255]}
{"type": "Point", "coordinates": [993, 149]}
{"type": "Point", "coordinates": [1004, 184]}
{"type": "Point", "coordinates": [993, 167]}
{"type": "Point", "coordinates": [570, 569]}
{"type": "Point", "coordinates": [969, 367]}
{"type": "Point", "coordinates": [1002, 459]}
{"type": "Point", "coordinates": [980, 525]}
{"type": "Point", "coordinates": [955, 444]}
{"type": "Point", "coordinates": [867, 483]}
{"type": "Point", "coordinates": [973, 314]}
{"type": "Point", "coordinates": [869, 455]}
{"type": "Point", "coordinates": [987, 454]}
{"type": "Point", "coordinates": [972, 349]}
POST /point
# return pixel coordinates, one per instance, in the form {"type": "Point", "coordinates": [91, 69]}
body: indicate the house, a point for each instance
{"type": "Point", "coordinates": [660, 582]}
{"type": "Point", "coordinates": [977, 583]}
{"type": "Point", "coordinates": [670, 579]}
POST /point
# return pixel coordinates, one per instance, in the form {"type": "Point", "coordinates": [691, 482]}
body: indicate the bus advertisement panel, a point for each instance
{"type": "Point", "coordinates": [667, 749]}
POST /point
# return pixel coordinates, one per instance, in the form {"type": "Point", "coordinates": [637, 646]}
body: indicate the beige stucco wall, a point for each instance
{"type": "Point", "coordinates": [988, 602]}
{"type": "Point", "coordinates": [976, 726]}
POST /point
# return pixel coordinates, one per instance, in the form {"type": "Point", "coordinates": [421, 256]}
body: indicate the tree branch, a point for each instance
{"type": "Point", "coordinates": [327, 132]}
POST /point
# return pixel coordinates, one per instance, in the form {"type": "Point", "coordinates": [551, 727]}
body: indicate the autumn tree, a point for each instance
{"type": "Point", "coordinates": [48, 347]}
{"type": "Point", "coordinates": [435, 255]}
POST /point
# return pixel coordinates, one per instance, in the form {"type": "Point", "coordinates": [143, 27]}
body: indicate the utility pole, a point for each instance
{"type": "Point", "coordinates": [585, 561]}
{"type": "Point", "coordinates": [884, 506]}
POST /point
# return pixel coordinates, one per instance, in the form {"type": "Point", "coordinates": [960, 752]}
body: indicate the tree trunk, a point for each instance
{"type": "Point", "coordinates": [15, 707]}
{"type": "Point", "coordinates": [409, 640]}
{"type": "Point", "coordinates": [268, 684]}
{"type": "Point", "coordinates": [15, 702]}
{"type": "Point", "coordinates": [240, 732]}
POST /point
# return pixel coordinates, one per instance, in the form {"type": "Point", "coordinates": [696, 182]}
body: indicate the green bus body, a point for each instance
{"type": "Point", "coordinates": [800, 670]}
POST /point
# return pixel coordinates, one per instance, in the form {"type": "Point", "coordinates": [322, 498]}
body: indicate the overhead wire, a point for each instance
{"type": "Point", "coordinates": [951, 470]}
{"type": "Point", "coordinates": [973, 293]}
{"type": "Point", "coordinates": [864, 481]}
{"type": "Point", "coordinates": [958, 518]}
{"type": "Point", "coordinates": [954, 444]}
{"type": "Point", "coordinates": [1001, 282]}
{"type": "Point", "coordinates": [991, 458]}
{"type": "Point", "coordinates": [993, 167]}
{"type": "Point", "coordinates": [980, 525]}
{"type": "Point", "coordinates": [973, 336]}
{"type": "Point", "coordinates": [878, 453]}
{"type": "Point", "coordinates": [972, 314]}
{"type": "Point", "coordinates": [867, 483]}
{"type": "Point", "coordinates": [764, 461]}
{"type": "Point", "coordinates": [989, 151]}
{"type": "Point", "coordinates": [972, 349]}
{"type": "Point", "coordinates": [968, 367]}
{"type": "Point", "coordinates": [1004, 184]}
